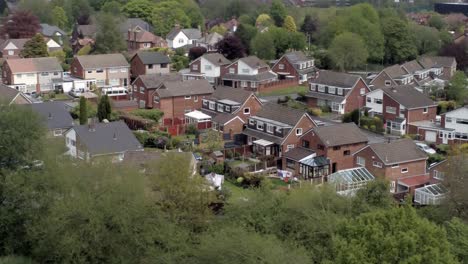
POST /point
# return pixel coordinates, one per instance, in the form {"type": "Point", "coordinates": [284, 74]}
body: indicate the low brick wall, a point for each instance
{"type": "Point", "coordinates": [277, 85]}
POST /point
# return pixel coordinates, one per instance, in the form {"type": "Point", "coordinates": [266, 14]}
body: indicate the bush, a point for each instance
{"type": "Point", "coordinates": [315, 111]}
{"type": "Point", "coordinates": [435, 158]}
{"type": "Point", "coordinates": [351, 117]}
{"type": "Point", "coordinates": [373, 128]}
{"type": "Point", "coordinates": [325, 109]}
{"type": "Point", "coordinates": [152, 114]}
{"type": "Point", "coordinates": [365, 127]}
{"type": "Point", "coordinates": [191, 130]}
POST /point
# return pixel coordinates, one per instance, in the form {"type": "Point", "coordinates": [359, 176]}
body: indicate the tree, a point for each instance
{"type": "Point", "coordinates": [263, 47]}
{"type": "Point", "coordinates": [231, 47]}
{"type": "Point", "coordinates": [309, 26]}
{"type": "Point", "coordinates": [457, 235]}
{"type": "Point", "coordinates": [389, 236]}
{"type": "Point", "coordinates": [35, 48]}
{"type": "Point", "coordinates": [456, 202]}
{"type": "Point", "coordinates": [59, 17]}
{"type": "Point", "coordinates": [426, 39]}
{"type": "Point", "coordinates": [436, 21]}
{"type": "Point", "coordinates": [79, 11]}
{"type": "Point", "coordinates": [20, 137]}
{"type": "Point", "coordinates": [139, 8]}
{"type": "Point", "coordinates": [289, 24]}
{"type": "Point", "coordinates": [108, 37]}
{"type": "Point", "coordinates": [112, 7]}
{"type": "Point", "coordinates": [83, 111]}
{"type": "Point", "coordinates": [21, 24]}
{"type": "Point", "coordinates": [84, 50]}
{"type": "Point", "coordinates": [167, 14]}
{"type": "Point", "coordinates": [246, 33]}
{"type": "Point", "coordinates": [196, 52]}
{"type": "Point", "coordinates": [458, 88]}
{"type": "Point", "coordinates": [278, 12]}
{"type": "Point", "coordinates": [263, 20]}
{"type": "Point", "coordinates": [104, 108]}
{"type": "Point", "coordinates": [40, 8]}
{"type": "Point", "coordinates": [341, 55]}
{"type": "Point", "coordinates": [398, 41]}
{"type": "Point", "coordinates": [459, 51]}
{"type": "Point", "coordinates": [220, 29]}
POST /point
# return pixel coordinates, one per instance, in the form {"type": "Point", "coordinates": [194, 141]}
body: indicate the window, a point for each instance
{"type": "Point", "coordinates": [187, 110]}
{"type": "Point", "coordinates": [290, 164]}
{"type": "Point", "coordinates": [142, 89]}
{"type": "Point", "coordinates": [377, 164]}
{"type": "Point", "coordinates": [195, 98]}
{"type": "Point", "coordinates": [44, 74]}
{"type": "Point", "coordinates": [187, 97]}
{"type": "Point", "coordinates": [246, 111]}
{"type": "Point", "coordinates": [259, 125]}
{"type": "Point", "coordinates": [195, 67]}
{"type": "Point", "coordinates": [392, 186]}
{"type": "Point", "coordinates": [99, 70]}
{"type": "Point", "coordinates": [243, 84]}
{"type": "Point", "coordinates": [220, 108]}
{"type": "Point", "coordinates": [253, 85]}
{"type": "Point", "coordinates": [281, 66]}
{"type": "Point", "coordinates": [425, 110]}
{"type": "Point", "coordinates": [181, 40]}
{"type": "Point", "coordinates": [363, 91]}
{"type": "Point", "coordinates": [163, 65]}
{"type": "Point", "coordinates": [156, 99]}
{"type": "Point", "coordinates": [146, 45]}
{"type": "Point", "coordinates": [57, 132]}
{"type": "Point", "coordinates": [340, 91]}
{"type": "Point", "coordinates": [369, 100]}
{"type": "Point", "coordinates": [388, 82]}
{"type": "Point", "coordinates": [289, 147]}
{"type": "Point", "coordinates": [439, 175]}
{"type": "Point", "coordinates": [448, 119]}
{"type": "Point", "coordinates": [361, 161]}
{"type": "Point", "coordinates": [404, 170]}
{"type": "Point", "coordinates": [232, 70]}
{"type": "Point", "coordinates": [395, 165]}
{"type": "Point", "coordinates": [113, 70]}
{"type": "Point", "coordinates": [270, 128]}
{"type": "Point", "coordinates": [90, 71]}
{"type": "Point", "coordinates": [390, 110]}
{"type": "Point", "coordinates": [305, 144]}
{"type": "Point", "coordinates": [150, 66]}
{"type": "Point", "coordinates": [313, 87]}
{"type": "Point", "coordinates": [462, 121]}
{"type": "Point", "coordinates": [11, 52]}
{"type": "Point", "coordinates": [205, 102]}
{"type": "Point", "coordinates": [212, 105]}
{"type": "Point", "coordinates": [347, 152]}
{"type": "Point", "coordinates": [228, 108]}
{"type": "Point", "coordinates": [336, 148]}
{"type": "Point", "coordinates": [321, 88]}
{"type": "Point", "coordinates": [56, 73]}
{"type": "Point", "coordinates": [251, 122]}
{"type": "Point", "coordinates": [298, 131]}
{"type": "Point", "coordinates": [320, 147]}
{"type": "Point", "coordinates": [208, 67]}
{"type": "Point", "coordinates": [331, 90]}
{"type": "Point", "coordinates": [377, 101]}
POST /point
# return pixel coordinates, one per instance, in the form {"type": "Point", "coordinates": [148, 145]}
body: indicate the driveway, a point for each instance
{"type": "Point", "coordinates": [374, 137]}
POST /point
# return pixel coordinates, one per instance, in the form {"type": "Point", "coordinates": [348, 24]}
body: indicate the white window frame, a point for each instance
{"type": "Point", "coordinates": [212, 105]}
{"type": "Point", "coordinates": [220, 108]}
{"type": "Point", "coordinates": [253, 84]}
{"type": "Point", "coordinates": [195, 98]}
{"type": "Point", "coordinates": [232, 70]}
{"type": "Point", "coordinates": [331, 90]}
{"type": "Point", "coordinates": [339, 91]}
{"type": "Point", "coordinates": [321, 88]}
{"type": "Point", "coordinates": [390, 109]}
{"type": "Point", "coordinates": [270, 128]}
{"type": "Point", "coordinates": [58, 132]}
{"type": "Point", "coordinates": [425, 110]}
{"type": "Point", "coordinates": [245, 71]}
{"type": "Point", "coordinates": [281, 66]}
{"type": "Point", "coordinates": [404, 170]}
{"type": "Point", "coordinates": [448, 119]}
{"type": "Point", "coordinates": [298, 131]}
{"type": "Point", "coordinates": [195, 67]}
{"type": "Point", "coordinates": [246, 111]}
{"type": "Point", "coordinates": [362, 91]}
{"type": "Point", "coordinates": [377, 164]}
{"type": "Point", "coordinates": [289, 147]}
{"type": "Point", "coordinates": [251, 122]}
{"type": "Point", "coordinates": [243, 84]}
{"type": "Point", "coordinates": [395, 165]}
{"type": "Point", "coordinates": [361, 161]}
{"type": "Point", "coordinates": [260, 125]}
{"type": "Point", "coordinates": [142, 89]}
{"type": "Point", "coordinates": [208, 68]}
{"type": "Point", "coordinates": [187, 97]}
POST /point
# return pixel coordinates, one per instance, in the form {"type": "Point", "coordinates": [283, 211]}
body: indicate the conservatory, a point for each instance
{"type": "Point", "coordinates": [430, 194]}
{"type": "Point", "coordinates": [347, 182]}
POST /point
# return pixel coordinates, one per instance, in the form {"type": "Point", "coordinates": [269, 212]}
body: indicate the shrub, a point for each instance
{"type": "Point", "coordinates": [325, 109]}
{"type": "Point", "coordinates": [435, 158]}
{"type": "Point", "coordinates": [351, 117]}
{"type": "Point", "coordinates": [365, 127]}
{"type": "Point", "coordinates": [152, 114]}
{"type": "Point", "coordinates": [315, 111]}
{"type": "Point", "coordinates": [191, 130]}
{"type": "Point", "coordinates": [373, 128]}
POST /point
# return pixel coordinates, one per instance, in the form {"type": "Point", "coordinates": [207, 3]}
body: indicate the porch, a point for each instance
{"type": "Point", "coordinates": [199, 119]}
{"type": "Point", "coordinates": [396, 127]}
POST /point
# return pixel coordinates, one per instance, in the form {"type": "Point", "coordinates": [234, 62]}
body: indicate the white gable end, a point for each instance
{"type": "Point", "coordinates": [11, 46]}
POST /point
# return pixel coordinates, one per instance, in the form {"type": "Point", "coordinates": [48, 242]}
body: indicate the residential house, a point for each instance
{"type": "Point", "coordinates": [9, 95]}
{"type": "Point", "coordinates": [176, 98]}
{"type": "Point", "coordinates": [55, 116]}
{"type": "Point", "coordinates": [32, 74]}
{"type": "Point", "coordinates": [149, 62]}
{"type": "Point", "coordinates": [248, 73]}
{"type": "Point", "coordinates": [335, 142]}
{"type": "Point", "coordinates": [391, 76]}
{"type": "Point", "coordinates": [180, 37]}
{"type": "Point", "coordinates": [109, 70]}
{"type": "Point", "coordinates": [341, 92]}
{"type": "Point", "coordinates": [401, 162]}
{"type": "Point", "coordinates": [305, 164]}
{"type": "Point", "coordinates": [11, 48]}
{"type": "Point", "coordinates": [230, 109]}
{"type": "Point", "coordinates": [400, 106]}
{"type": "Point", "coordinates": [445, 66]}
{"type": "Point", "coordinates": [209, 41]}
{"type": "Point", "coordinates": [295, 65]}
{"type": "Point", "coordinates": [276, 129]}
{"type": "Point", "coordinates": [144, 86]}
{"type": "Point", "coordinates": [138, 39]}
{"type": "Point", "coordinates": [53, 32]}
{"type": "Point", "coordinates": [82, 35]}
{"type": "Point", "coordinates": [452, 129]}
{"type": "Point", "coordinates": [437, 171]}
{"type": "Point", "coordinates": [102, 140]}
{"type": "Point", "coordinates": [209, 66]}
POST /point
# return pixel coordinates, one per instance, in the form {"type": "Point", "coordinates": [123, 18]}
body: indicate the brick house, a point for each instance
{"type": "Point", "coordinates": [400, 106]}
{"type": "Point", "coordinates": [306, 164]}
{"type": "Point", "coordinates": [176, 98]}
{"type": "Point", "coordinates": [138, 39]}
{"type": "Point", "coordinates": [149, 62]}
{"type": "Point", "coordinates": [144, 86]}
{"type": "Point", "coordinates": [295, 65]}
{"type": "Point", "coordinates": [11, 48]}
{"type": "Point", "coordinates": [391, 76]}
{"type": "Point", "coordinates": [109, 70]}
{"type": "Point", "coordinates": [452, 129]}
{"type": "Point", "coordinates": [401, 162]}
{"type": "Point", "coordinates": [276, 129]}
{"type": "Point", "coordinates": [341, 92]}
{"type": "Point", "coordinates": [230, 109]}
{"type": "Point", "coordinates": [335, 142]}
{"type": "Point", "coordinates": [10, 96]}
{"type": "Point", "coordinates": [210, 66]}
{"type": "Point", "coordinates": [248, 73]}
{"type": "Point", "coordinates": [32, 74]}
{"type": "Point", "coordinates": [448, 65]}
{"type": "Point", "coordinates": [209, 41]}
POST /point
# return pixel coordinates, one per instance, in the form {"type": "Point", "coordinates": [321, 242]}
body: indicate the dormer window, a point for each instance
{"type": "Point", "coordinates": [281, 66]}
{"type": "Point", "coordinates": [331, 90]}
{"type": "Point", "coordinates": [212, 105]}
{"type": "Point", "coordinates": [220, 108]}
{"type": "Point", "coordinates": [259, 125]}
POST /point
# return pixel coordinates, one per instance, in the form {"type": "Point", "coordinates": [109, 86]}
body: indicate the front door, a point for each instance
{"type": "Point", "coordinates": [445, 138]}
{"type": "Point", "coordinates": [334, 167]}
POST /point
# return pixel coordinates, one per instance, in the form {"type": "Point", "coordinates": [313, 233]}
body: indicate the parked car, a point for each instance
{"type": "Point", "coordinates": [424, 147]}
{"type": "Point", "coordinates": [76, 93]}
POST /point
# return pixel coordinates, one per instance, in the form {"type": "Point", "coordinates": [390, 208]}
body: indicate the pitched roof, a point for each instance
{"type": "Point", "coordinates": [408, 96]}
{"type": "Point", "coordinates": [153, 81]}
{"type": "Point", "coordinates": [50, 30]}
{"type": "Point", "coordinates": [338, 79]}
{"type": "Point", "coordinates": [102, 61]}
{"type": "Point", "coordinates": [298, 153]}
{"type": "Point", "coordinates": [54, 114]}
{"type": "Point", "coordinates": [397, 151]}
{"type": "Point", "coordinates": [296, 56]}
{"type": "Point", "coordinates": [191, 33]}
{"type": "Point", "coordinates": [216, 59]}
{"type": "Point", "coordinates": [412, 66]}
{"type": "Point", "coordinates": [325, 96]}
{"type": "Point", "coordinates": [211, 39]}
{"type": "Point", "coordinates": [283, 114]}
{"type": "Point", "coordinates": [395, 71]}
{"type": "Point", "coordinates": [19, 43]}
{"type": "Point", "coordinates": [185, 88]}
{"type": "Point", "coordinates": [87, 30]}
{"type": "Point", "coordinates": [8, 94]}
{"type": "Point", "coordinates": [142, 36]}
{"type": "Point", "coordinates": [107, 138]}
{"type": "Point", "coordinates": [131, 23]}
{"type": "Point", "coordinates": [340, 134]}
{"type": "Point", "coordinates": [436, 61]}
{"type": "Point", "coordinates": [236, 95]}
{"type": "Point", "coordinates": [254, 62]}
{"type": "Point", "coordinates": [44, 64]}
{"type": "Point", "coordinates": [149, 57]}
{"type": "Point", "coordinates": [262, 76]}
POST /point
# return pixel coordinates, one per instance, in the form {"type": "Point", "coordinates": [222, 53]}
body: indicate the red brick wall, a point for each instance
{"type": "Point", "coordinates": [254, 106]}
{"type": "Point", "coordinates": [175, 107]}
{"type": "Point", "coordinates": [137, 67]}
{"type": "Point", "coordinates": [232, 66]}
{"type": "Point", "coordinates": [76, 69]}
{"type": "Point", "coordinates": [312, 102]}
{"type": "Point", "coordinates": [306, 124]}
{"type": "Point", "coordinates": [147, 96]}
{"type": "Point", "coordinates": [276, 85]}
{"type": "Point", "coordinates": [288, 67]}
{"type": "Point", "coordinates": [234, 127]}
{"type": "Point", "coordinates": [379, 81]}
{"type": "Point", "coordinates": [198, 63]}
{"type": "Point", "coordinates": [387, 101]}
{"type": "Point", "coordinates": [414, 115]}
{"type": "Point", "coordinates": [355, 100]}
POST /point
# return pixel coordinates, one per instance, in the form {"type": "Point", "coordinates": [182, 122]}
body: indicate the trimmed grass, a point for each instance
{"type": "Point", "coordinates": [57, 97]}
{"type": "Point", "coordinates": [237, 193]}
{"type": "Point", "coordinates": [285, 91]}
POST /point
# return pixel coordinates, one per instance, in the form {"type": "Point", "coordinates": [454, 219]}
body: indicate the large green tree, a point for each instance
{"type": "Point", "coordinates": [167, 14]}
{"type": "Point", "coordinates": [278, 12]}
{"type": "Point", "coordinates": [246, 33]}
{"type": "Point", "coordinates": [108, 37]}
{"type": "Point", "coordinates": [289, 24]}
{"type": "Point", "coordinates": [341, 55]}
{"type": "Point", "coordinates": [426, 39]}
{"type": "Point", "coordinates": [263, 47]}
{"type": "Point", "coordinates": [35, 47]}
{"type": "Point", "coordinates": [139, 8]}
{"type": "Point", "coordinates": [399, 45]}
{"type": "Point", "coordinates": [59, 17]}
{"type": "Point", "coordinates": [458, 88]}
{"type": "Point", "coordinates": [104, 108]}
{"type": "Point", "coordinates": [83, 111]}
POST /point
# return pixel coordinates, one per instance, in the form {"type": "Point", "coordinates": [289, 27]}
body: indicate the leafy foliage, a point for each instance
{"type": "Point", "coordinates": [457, 88]}
{"type": "Point", "coordinates": [108, 37]}
{"type": "Point", "coordinates": [139, 8]}
{"type": "Point", "coordinates": [263, 46]}
{"type": "Point", "coordinates": [83, 111]}
{"type": "Point", "coordinates": [104, 109]}
{"type": "Point", "coordinates": [398, 41]}
{"type": "Point", "coordinates": [231, 47]}
{"type": "Point", "coordinates": [35, 48]}
{"type": "Point", "coordinates": [152, 114]}
{"type": "Point", "coordinates": [21, 24]}
{"type": "Point", "coordinates": [340, 55]}
{"type": "Point", "coordinates": [278, 12]}
{"type": "Point", "coordinates": [289, 24]}
{"type": "Point", "coordinates": [196, 52]}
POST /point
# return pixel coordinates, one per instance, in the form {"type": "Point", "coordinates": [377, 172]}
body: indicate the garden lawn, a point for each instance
{"type": "Point", "coordinates": [285, 91]}
{"type": "Point", "coordinates": [238, 193]}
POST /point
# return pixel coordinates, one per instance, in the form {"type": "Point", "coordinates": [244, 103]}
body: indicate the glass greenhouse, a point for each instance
{"type": "Point", "coordinates": [347, 182]}
{"type": "Point", "coordinates": [430, 194]}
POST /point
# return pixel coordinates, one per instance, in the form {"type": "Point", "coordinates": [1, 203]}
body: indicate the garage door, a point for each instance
{"type": "Point", "coordinates": [431, 136]}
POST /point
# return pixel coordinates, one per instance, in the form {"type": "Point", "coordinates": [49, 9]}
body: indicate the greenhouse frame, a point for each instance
{"type": "Point", "coordinates": [430, 194]}
{"type": "Point", "coordinates": [347, 182]}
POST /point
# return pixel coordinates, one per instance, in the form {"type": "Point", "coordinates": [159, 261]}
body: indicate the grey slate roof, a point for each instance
{"type": "Point", "coordinates": [148, 57]}
{"type": "Point", "coordinates": [54, 114]}
{"type": "Point", "coordinates": [107, 138]}
{"type": "Point", "coordinates": [395, 71]}
{"type": "Point", "coordinates": [296, 56]}
{"type": "Point", "coordinates": [211, 39]}
{"type": "Point", "coordinates": [254, 62]}
{"type": "Point", "coordinates": [19, 43]}
{"type": "Point", "coordinates": [178, 88]}
{"type": "Point", "coordinates": [340, 134]}
{"type": "Point", "coordinates": [338, 79]}
{"type": "Point", "coordinates": [50, 30]}
{"type": "Point", "coordinates": [283, 114]}
{"type": "Point", "coordinates": [262, 135]}
{"type": "Point", "coordinates": [233, 94]}
{"type": "Point", "coordinates": [298, 153]}
{"type": "Point", "coordinates": [87, 30]}
{"type": "Point", "coordinates": [102, 61]}
{"type": "Point", "coordinates": [153, 81]}
{"type": "Point", "coordinates": [263, 76]}
{"type": "Point", "coordinates": [222, 118]}
{"type": "Point", "coordinates": [216, 59]}
{"type": "Point", "coordinates": [436, 61]}
{"type": "Point", "coordinates": [412, 66]}
{"type": "Point", "coordinates": [408, 96]}
{"type": "Point", "coordinates": [7, 94]}
{"type": "Point", "coordinates": [47, 64]}
{"type": "Point", "coordinates": [325, 96]}
{"type": "Point", "coordinates": [191, 33]}
{"type": "Point", "coordinates": [131, 23]}
{"type": "Point", "coordinates": [398, 151]}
